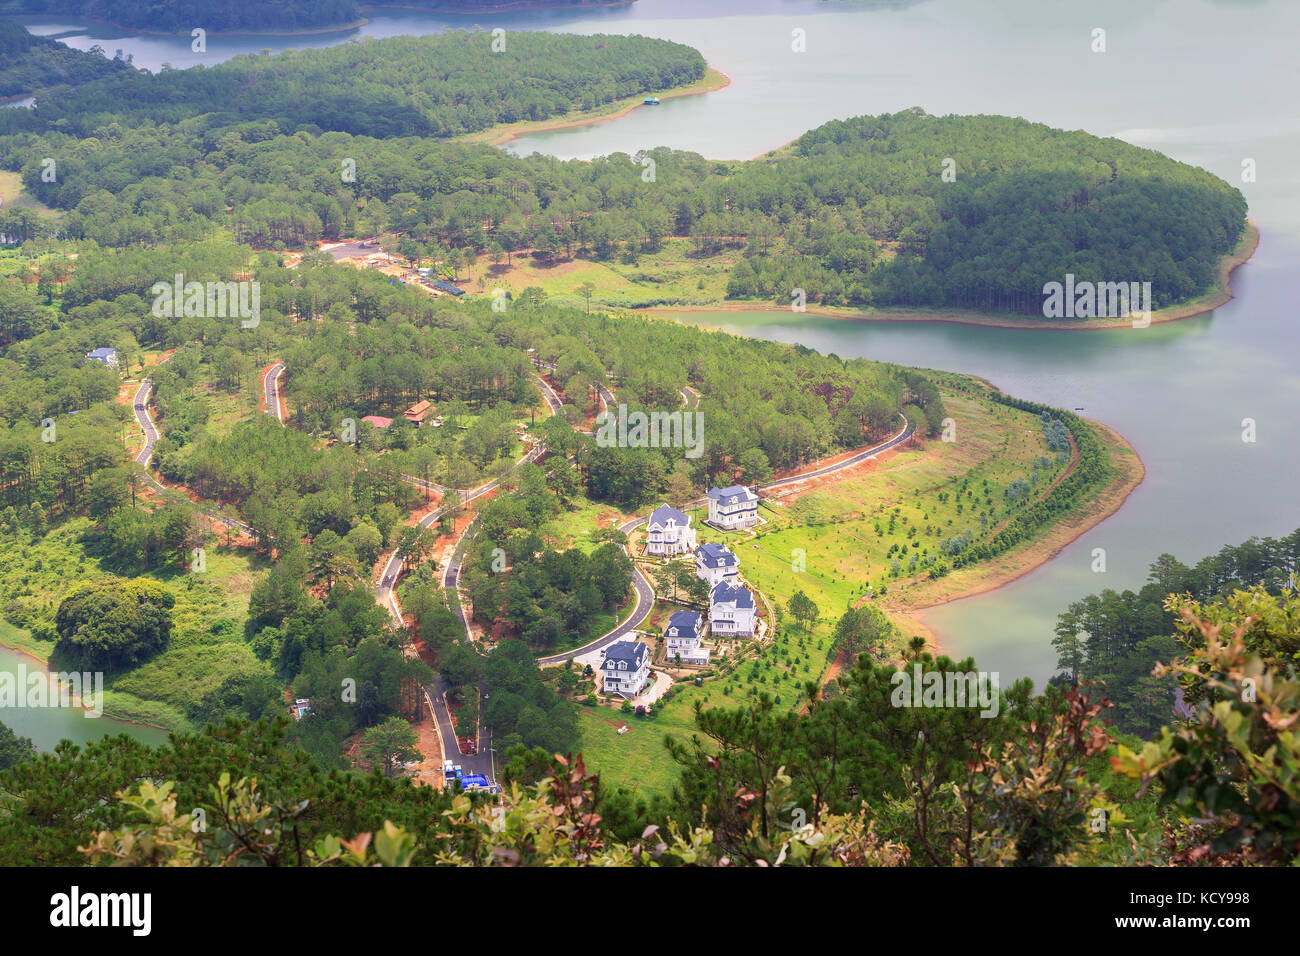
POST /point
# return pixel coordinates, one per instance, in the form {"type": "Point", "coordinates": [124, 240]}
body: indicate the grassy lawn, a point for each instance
{"type": "Point", "coordinates": [883, 525]}
{"type": "Point", "coordinates": [636, 759]}
{"type": "Point", "coordinates": [226, 409]}
{"type": "Point", "coordinates": [207, 641]}
{"type": "Point", "coordinates": [11, 189]}
{"type": "Point", "coordinates": [671, 276]}
{"type": "Point", "coordinates": [21, 639]}
{"type": "Point", "coordinates": [575, 528]}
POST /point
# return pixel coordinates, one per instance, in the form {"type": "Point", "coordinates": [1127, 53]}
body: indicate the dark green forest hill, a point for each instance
{"type": "Point", "coordinates": [281, 151]}
{"type": "Point", "coordinates": [29, 63]}
{"type": "Point", "coordinates": [440, 85]}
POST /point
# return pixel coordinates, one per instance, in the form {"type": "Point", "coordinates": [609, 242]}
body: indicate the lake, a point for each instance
{"type": "Point", "coordinates": [46, 726]}
{"type": "Point", "coordinates": [1209, 83]}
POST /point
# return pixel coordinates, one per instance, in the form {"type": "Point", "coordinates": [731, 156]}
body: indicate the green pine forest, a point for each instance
{"type": "Point", "coordinates": [855, 213]}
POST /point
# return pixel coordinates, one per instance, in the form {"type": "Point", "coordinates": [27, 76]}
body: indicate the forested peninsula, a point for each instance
{"type": "Point", "coordinates": [903, 210]}
{"type": "Point", "coordinates": [30, 63]}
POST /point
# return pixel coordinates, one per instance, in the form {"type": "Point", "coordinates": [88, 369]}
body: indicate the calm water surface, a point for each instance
{"type": "Point", "coordinates": [48, 725]}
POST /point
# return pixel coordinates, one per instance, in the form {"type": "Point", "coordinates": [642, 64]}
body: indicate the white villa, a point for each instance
{"type": "Point", "coordinates": [626, 668]}
{"type": "Point", "coordinates": [731, 611]}
{"type": "Point", "coordinates": [714, 563]}
{"type": "Point", "coordinates": [106, 355]}
{"type": "Point", "coordinates": [682, 638]}
{"type": "Point", "coordinates": [668, 533]}
{"type": "Point", "coordinates": [733, 508]}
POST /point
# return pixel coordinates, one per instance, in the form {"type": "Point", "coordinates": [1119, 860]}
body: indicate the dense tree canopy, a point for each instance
{"type": "Point", "coordinates": [856, 212]}
{"type": "Point", "coordinates": [1116, 638]}
{"type": "Point", "coordinates": [182, 16]}
{"type": "Point", "coordinates": [13, 748]}
{"type": "Point", "coordinates": [228, 16]}
{"type": "Point", "coordinates": [111, 624]}
{"type": "Point", "coordinates": [439, 85]}
{"type": "Point", "coordinates": [29, 63]}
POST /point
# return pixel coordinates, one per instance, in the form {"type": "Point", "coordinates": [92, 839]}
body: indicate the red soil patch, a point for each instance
{"type": "Point", "coordinates": [429, 743]}
{"type": "Point", "coordinates": [613, 723]}
{"type": "Point", "coordinates": [837, 665]}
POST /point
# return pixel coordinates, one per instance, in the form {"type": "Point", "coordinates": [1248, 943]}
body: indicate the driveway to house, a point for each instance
{"type": "Point", "coordinates": [654, 691]}
{"type": "Point", "coordinates": [590, 653]}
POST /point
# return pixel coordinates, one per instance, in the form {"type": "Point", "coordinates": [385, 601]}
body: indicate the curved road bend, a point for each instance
{"type": "Point", "coordinates": [643, 596]}
{"type": "Point", "coordinates": [482, 761]}
{"type": "Point", "coordinates": [644, 601]}
{"type": "Point", "coordinates": [849, 462]}
{"type": "Point", "coordinates": [271, 388]}
{"type": "Point", "coordinates": [140, 405]}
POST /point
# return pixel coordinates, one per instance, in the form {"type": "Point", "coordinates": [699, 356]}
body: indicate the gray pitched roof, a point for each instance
{"type": "Point", "coordinates": [665, 513]}
{"type": "Point", "coordinates": [724, 593]}
{"type": "Point", "coordinates": [632, 652]}
{"type": "Point", "coordinates": [732, 491]}
{"type": "Point", "coordinates": [685, 621]}
{"type": "Point", "coordinates": [716, 555]}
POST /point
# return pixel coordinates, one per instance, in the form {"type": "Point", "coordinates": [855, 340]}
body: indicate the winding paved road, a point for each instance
{"type": "Point", "coordinates": [271, 384]}
{"type": "Point", "coordinates": [644, 601]}
{"type": "Point", "coordinates": [140, 405]}
{"type": "Point", "coordinates": [482, 761]}
{"type": "Point", "coordinates": [849, 462]}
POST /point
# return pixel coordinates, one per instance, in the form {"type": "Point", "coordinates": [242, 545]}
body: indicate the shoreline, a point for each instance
{"type": "Point", "coordinates": [713, 80]}
{"type": "Point", "coordinates": [1216, 297]}
{"type": "Point", "coordinates": [1031, 556]}
{"type": "Point", "coordinates": [45, 667]}
{"type": "Point", "coordinates": [36, 18]}
{"type": "Point", "coordinates": [487, 9]}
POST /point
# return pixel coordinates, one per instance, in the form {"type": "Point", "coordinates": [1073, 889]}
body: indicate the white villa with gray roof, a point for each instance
{"type": "Point", "coordinates": [731, 611]}
{"type": "Point", "coordinates": [733, 508]}
{"type": "Point", "coordinates": [669, 533]}
{"type": "Point", "coordinates": [715, 562]}
{"type": "Point", "coordinates": [682, 638]}
{"type": "Point", "coordinates": [626, 668]}
{"type": "Point", "coordinates": [106, 355]}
